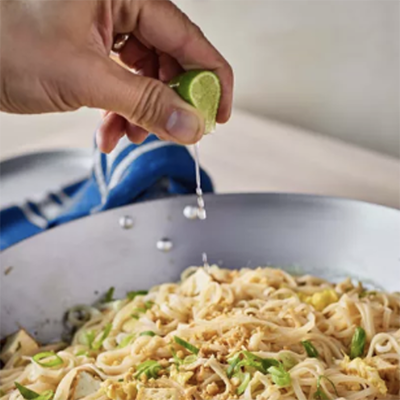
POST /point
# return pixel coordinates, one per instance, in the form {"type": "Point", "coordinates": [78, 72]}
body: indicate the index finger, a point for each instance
{"type": "Point", "coordinates": [168, 29]}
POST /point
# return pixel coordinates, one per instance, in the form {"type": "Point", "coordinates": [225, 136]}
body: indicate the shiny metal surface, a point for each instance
{"type": "Point", "coordinates": [75, 263]}
{"type": "Point", "coordinates": [30, 175]}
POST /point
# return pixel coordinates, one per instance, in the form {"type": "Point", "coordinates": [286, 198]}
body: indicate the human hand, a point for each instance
{"type": "Point", "coordinates": [55, 57]}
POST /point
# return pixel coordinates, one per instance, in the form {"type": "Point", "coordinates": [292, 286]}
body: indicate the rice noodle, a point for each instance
{"type": "Point", "coordinates": [221, 313]}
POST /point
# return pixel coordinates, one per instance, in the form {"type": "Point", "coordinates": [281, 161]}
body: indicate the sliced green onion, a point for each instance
{"type": "Point", "coordinates": [287, 360]}
{"type": "Point", "coordinates": [2, 393]}
{"type": "Point", "coordinates": [233, 362]}
{"type": "Point", "coordinates": [148, 333]}
{"type": "Point", "coordinates": [149, 304]}
{"type": "Point", "coordinates": [178, 361]}
{"type": "Point", "coordinates": [190, 359]}
{"type": "Point", "coordinates": [250, 360]}
{"type": "Point", "coordinates": [312, 352]}
{"type": "Point", "coordinates": [366, 293]}
{"type": "Point", "coordinates": [46, 395]}
{"type": "Point", "coordinates": [280, 376]}
{"type": "Point", "coordinates": [133, 294]}
{"type": "Point", "coordinates": [245, 379]}
{"type": "Point", "coordinates": [56, 359]}
{"type": "Point", "coordinates": [186, 345]}
{"type": "Point", "coordinates": [108, 297]}
{"type": "Point", "coordinates": [358, 343]}
{"type": "Point", "coordinates": [106, 332]}
{"type": "Point", "coordinates": [150, 368]}
{"type": "Point", "coordinates": [140, 310]}
{"type": "Point", "coordinates": [26, 393]}
{"type": "Point", "coordinates": [137, 311]}
{"type": "Point", "coordinates": [89, 337]}
{"type": "Point", "coordinates": [125, 341]}
{"type": "Point", "coordinates": [82, 353]}
{"type": "Point", "coordinates": [29, 394]}
{"type": "Point", "coordinates": [261, 364]}
{"type": "Point", "coordinates": [320, 394]}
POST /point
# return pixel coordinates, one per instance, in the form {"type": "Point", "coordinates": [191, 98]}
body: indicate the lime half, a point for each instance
{"type": "Point", "coordinates": [202, 90]}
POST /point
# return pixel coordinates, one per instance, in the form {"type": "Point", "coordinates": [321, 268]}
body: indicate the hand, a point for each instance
{"type": "Point", "coordinates": [55, 57]}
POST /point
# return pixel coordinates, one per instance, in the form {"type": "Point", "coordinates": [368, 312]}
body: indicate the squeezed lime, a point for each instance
{"type": "Point", "coordinates": [202, 90]}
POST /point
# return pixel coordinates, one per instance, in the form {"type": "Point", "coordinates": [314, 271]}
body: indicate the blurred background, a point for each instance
{"type": "Point", "coordinates": [329, 69]}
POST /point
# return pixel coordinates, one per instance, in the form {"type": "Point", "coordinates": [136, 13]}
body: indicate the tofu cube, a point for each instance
{"type": "Point", "coordinates": [19, 341]}
{"type": "Point", "coordinates": [84, 385]}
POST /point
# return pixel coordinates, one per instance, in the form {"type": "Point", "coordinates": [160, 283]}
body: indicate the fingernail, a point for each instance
{"type": "Point", "coordinates": [183, 125]}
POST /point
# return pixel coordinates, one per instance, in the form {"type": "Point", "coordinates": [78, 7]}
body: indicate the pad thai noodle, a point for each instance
{"type": "Point", "coordinates": [259, 334]}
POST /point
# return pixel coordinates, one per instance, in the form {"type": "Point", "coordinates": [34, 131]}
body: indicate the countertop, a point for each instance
{"type": "Point", "coordinates": [248, 154]}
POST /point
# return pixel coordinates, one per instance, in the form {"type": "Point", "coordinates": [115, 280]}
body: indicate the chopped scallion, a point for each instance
{"type": "Point", "coordinates": [287, 360]}
{"type": "Point", "coordinates": [89, 337]}
{"type": "Point", "coordinates": [149, 368]}
{"type": "Point", "coordinates": [28, 394]}
{"type": "Point", "coordinates": [250, 360]}
{"type": "Point", "coordinates": [280, 376]}
{"type": "Point", "coordinates": [233, 362]}
{"type": "Point", "coordinates": [106, 332]}
{"type": "Point", "coordinates": [149, 304]}
{"type": "Point", "coordinates": [137, 311]}
{"type": "Point", "coordinates": [108, 297]}
{"type": "Point", "coordinates": [133, 294]}
{"type": "Point", "coordinates": [190, 359]}
{"type": "Point", "coordinates": [54, 362]}
{"type": "Point", "coordinates": [186, 345]}
{"type": "Point", "coordinates": [178, 361]}
{"type": "Point", "coordinates": [125, 341]}
{"type": "Point", "coordinates": [261, 364]}
{"type": "Point", "coordinates": [320, 394]}
{"type": "Point", "coordinates": [312, 352]}
{"type": "Point", "coordinates": [148, 333]}
{"type": "Point", "coordinates": [245, 380]}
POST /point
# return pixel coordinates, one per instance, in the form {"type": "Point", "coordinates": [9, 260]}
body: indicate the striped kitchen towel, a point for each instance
{"type": "Point", "coordinates": [130, 173]}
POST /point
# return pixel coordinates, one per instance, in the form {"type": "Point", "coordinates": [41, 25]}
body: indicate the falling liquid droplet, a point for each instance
{"type": "Point", "coordinates": [199, 191]}
{"type": "Point", "coordinates": [126, 222]}
{"type": "Point", "coordinates": [201, 213]}
{"type": "Point", "coordinates": [190, 212]}
{"type": "Point", "coordinates": [205, 260]}
{"type": "Point", "coordinates": [164, 245]}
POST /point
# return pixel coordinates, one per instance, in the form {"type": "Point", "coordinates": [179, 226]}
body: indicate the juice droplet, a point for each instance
{"type": "Point", "coordinates": [126, 222]}
{"type": "Point", "coordinates": [205, 260]}
{"type": "Point", "coordinates": [190, 212]}
{"type": "Point", "coordinates": [199, 191]}
{"type": "Point", "coordinates": [201, 213]}
{"type": "Point", "coordinates": [164, 245]}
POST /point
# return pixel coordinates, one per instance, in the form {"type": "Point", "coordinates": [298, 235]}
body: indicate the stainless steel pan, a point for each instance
{"type": "Point", "coordinates": [75, 263]}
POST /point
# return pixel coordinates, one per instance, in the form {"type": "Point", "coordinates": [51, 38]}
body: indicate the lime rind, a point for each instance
{"type": "Point", "coordinates": [202, 90]}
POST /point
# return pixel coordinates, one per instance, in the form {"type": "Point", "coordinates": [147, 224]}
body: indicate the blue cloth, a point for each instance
{"type": "Point", "coordinates": [130, 174]}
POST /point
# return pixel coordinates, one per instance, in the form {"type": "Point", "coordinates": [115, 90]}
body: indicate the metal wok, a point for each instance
{"type": "Point", "coordinates": [75, 263]}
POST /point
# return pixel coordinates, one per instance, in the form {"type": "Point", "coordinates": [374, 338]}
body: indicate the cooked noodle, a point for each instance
{"type": "Point", "coordinates": [192, 331]}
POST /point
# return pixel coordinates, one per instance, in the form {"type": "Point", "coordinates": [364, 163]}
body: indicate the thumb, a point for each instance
{"type": "Point", "coordinates": [143, 101]}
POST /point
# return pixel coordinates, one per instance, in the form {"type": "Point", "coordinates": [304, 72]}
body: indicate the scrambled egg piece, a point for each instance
{"type": "Point", "coordinates": [320, 300]}
{"type": "Point", "coordinates": [362, 369]}
{"type": "Point", "coordinates": [180, 377]}
{"type": "Point", "coordinates": [119, 390]}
